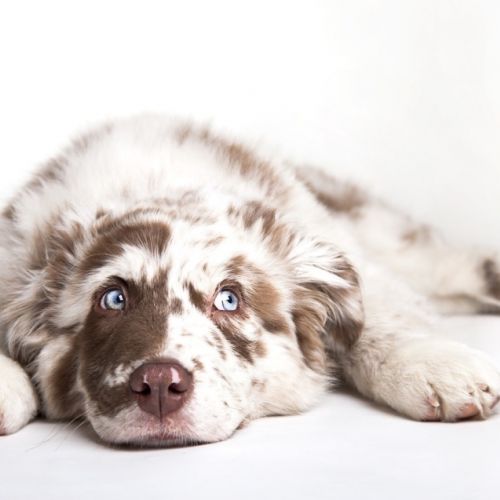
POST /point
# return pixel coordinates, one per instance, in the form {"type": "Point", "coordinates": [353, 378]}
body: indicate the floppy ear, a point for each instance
{"type": "Point", "coordinates": [328, 310]}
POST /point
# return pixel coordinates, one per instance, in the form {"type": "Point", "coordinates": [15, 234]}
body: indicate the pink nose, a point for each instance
{"type": "Point", "coordinates": [160, 388]}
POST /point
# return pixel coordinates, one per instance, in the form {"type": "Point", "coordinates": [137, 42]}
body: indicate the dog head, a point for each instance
{"type": "Point", "coordinates": [178, 320]}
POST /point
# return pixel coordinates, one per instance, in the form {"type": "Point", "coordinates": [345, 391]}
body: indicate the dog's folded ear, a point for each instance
{"type": "Point", "coordinates": [328, 309]}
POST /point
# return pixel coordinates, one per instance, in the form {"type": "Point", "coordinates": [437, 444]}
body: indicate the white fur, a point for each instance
{"type": "Point", "coordinates": [18, 401]}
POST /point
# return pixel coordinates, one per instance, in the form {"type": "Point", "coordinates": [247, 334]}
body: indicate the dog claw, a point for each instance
{"type": "Point", "coordinates": [434, 412]}
{"type": "Point", "coordinates": [434, 401]}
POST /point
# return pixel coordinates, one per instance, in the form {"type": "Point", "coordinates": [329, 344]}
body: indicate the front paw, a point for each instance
{"type": "Point", "coordinates": [18, 401]}
{"type": "Point", "coordinates": [430, 379]}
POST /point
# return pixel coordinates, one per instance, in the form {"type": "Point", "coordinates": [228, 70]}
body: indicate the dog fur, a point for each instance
{"type": "Point", "coordinates": [334, 286]}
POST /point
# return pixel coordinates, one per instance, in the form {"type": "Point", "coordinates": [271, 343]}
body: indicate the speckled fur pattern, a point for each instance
{"type": "Point", "coordinates": [334, 286]}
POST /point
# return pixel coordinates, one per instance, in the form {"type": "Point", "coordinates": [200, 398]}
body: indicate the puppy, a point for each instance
{"type": "Point", "coordinates": [170, 285]}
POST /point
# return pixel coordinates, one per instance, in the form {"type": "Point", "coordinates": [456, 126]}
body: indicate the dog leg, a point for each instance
{"type": "Point", "coordinates": [424, 378]}
{"type": "Point", "coordinates": [456, 280]}
{"type": "Point", "coordinates": [395, 361]}
{"type": "Point", "coordinates": [18, 400]}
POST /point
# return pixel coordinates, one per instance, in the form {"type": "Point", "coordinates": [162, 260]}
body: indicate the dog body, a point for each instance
{"type": "Point", "coordinates": [170, 285]}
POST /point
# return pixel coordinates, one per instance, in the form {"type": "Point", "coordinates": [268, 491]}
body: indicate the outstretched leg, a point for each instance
{"type": "Point", "coordinates": [424, 378]}
{"type": "Point", "coordinates": [457, 280]}
{"type": "Point", "coordinates": [396, 361]}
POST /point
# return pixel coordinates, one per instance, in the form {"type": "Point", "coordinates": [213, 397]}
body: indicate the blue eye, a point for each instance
{"type": "Point", "coordinates": [113, 299]}
{"type": "Point", "coordinates": [226, 300]}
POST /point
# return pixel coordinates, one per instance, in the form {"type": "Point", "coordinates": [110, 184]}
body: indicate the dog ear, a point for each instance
{"type": "Point", "coordinates": [328, 311]}
{"type": "Point", "coordinates": [327, 308]}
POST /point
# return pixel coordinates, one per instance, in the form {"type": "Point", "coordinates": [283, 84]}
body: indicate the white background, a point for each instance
{"type": "Point", "coordinates": [402, 94]}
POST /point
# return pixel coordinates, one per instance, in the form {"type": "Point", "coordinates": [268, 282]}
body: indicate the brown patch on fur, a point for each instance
{"type": "Point", "coordinates": [65, 400]}
{"type": "Point", "coordinates": [9, 212]}
{"type": "Point", "coordinates": [309, 326]}
{"type": "Point", "coordinates": [336, 196]}
{"type": "Point", "coordinates": [348, 203]}
{"type": "Point", "coordinates": [175, 306]}
{"type": "Point", "coordinates": [197, 298]}
{"type": "Point", "coordinates": [198, 364]}
{"type": "Point", "coordinates": [236, 266]}
{"type": "Point", "coordinates": [109, 340]}
{"type": "Point", "coordinates": [182, 133]}
{"type": "Point", "coordinates": [322, 318]}
{"type": "Point", "coordinates": [419, 234]}
{"type": "Point", "coordinates": [262, 297]}
{"type": "Point", "coordinates": [265, 300]}
{"type": "Point", "coordinates": [258, 384]}
{"type": "Point", "coordinates": [53, 171]}
{"type": "Point", "coordinates": [254, 214]}
{"type": "Point", "coordinates": [153, 236]}
{"type": "Point", "coordinates": [220, 344]}
{"type": "Point", "coordinates": [254, 211]}
{"type": "Point", "coordinates": [228, 325]}
{"type": "Point", "coordinates": [100, 213]}
{"type": "Point", "coordinates": [214, 241]}
{"type": "Point", "coordinates": [240, 345]}
{"type": "Point", "coordinates": [81, 143]}
{"type": "Point", "coordinates": [492, 277]}
{"type": "Point", "coordinates": [260, 349]}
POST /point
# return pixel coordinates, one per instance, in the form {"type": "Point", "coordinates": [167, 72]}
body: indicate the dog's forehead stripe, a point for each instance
{"type": "Point", "coordinates": [112, 240]}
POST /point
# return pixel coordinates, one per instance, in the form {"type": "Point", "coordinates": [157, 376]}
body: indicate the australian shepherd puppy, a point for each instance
{"type": "Point", "coordinates": [170, 285]}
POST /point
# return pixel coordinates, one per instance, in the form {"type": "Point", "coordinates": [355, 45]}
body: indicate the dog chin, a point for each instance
{"type": "Point", "coordinates": [130, 429]}
{"type": "Point", "coordinates": [156, 440]}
